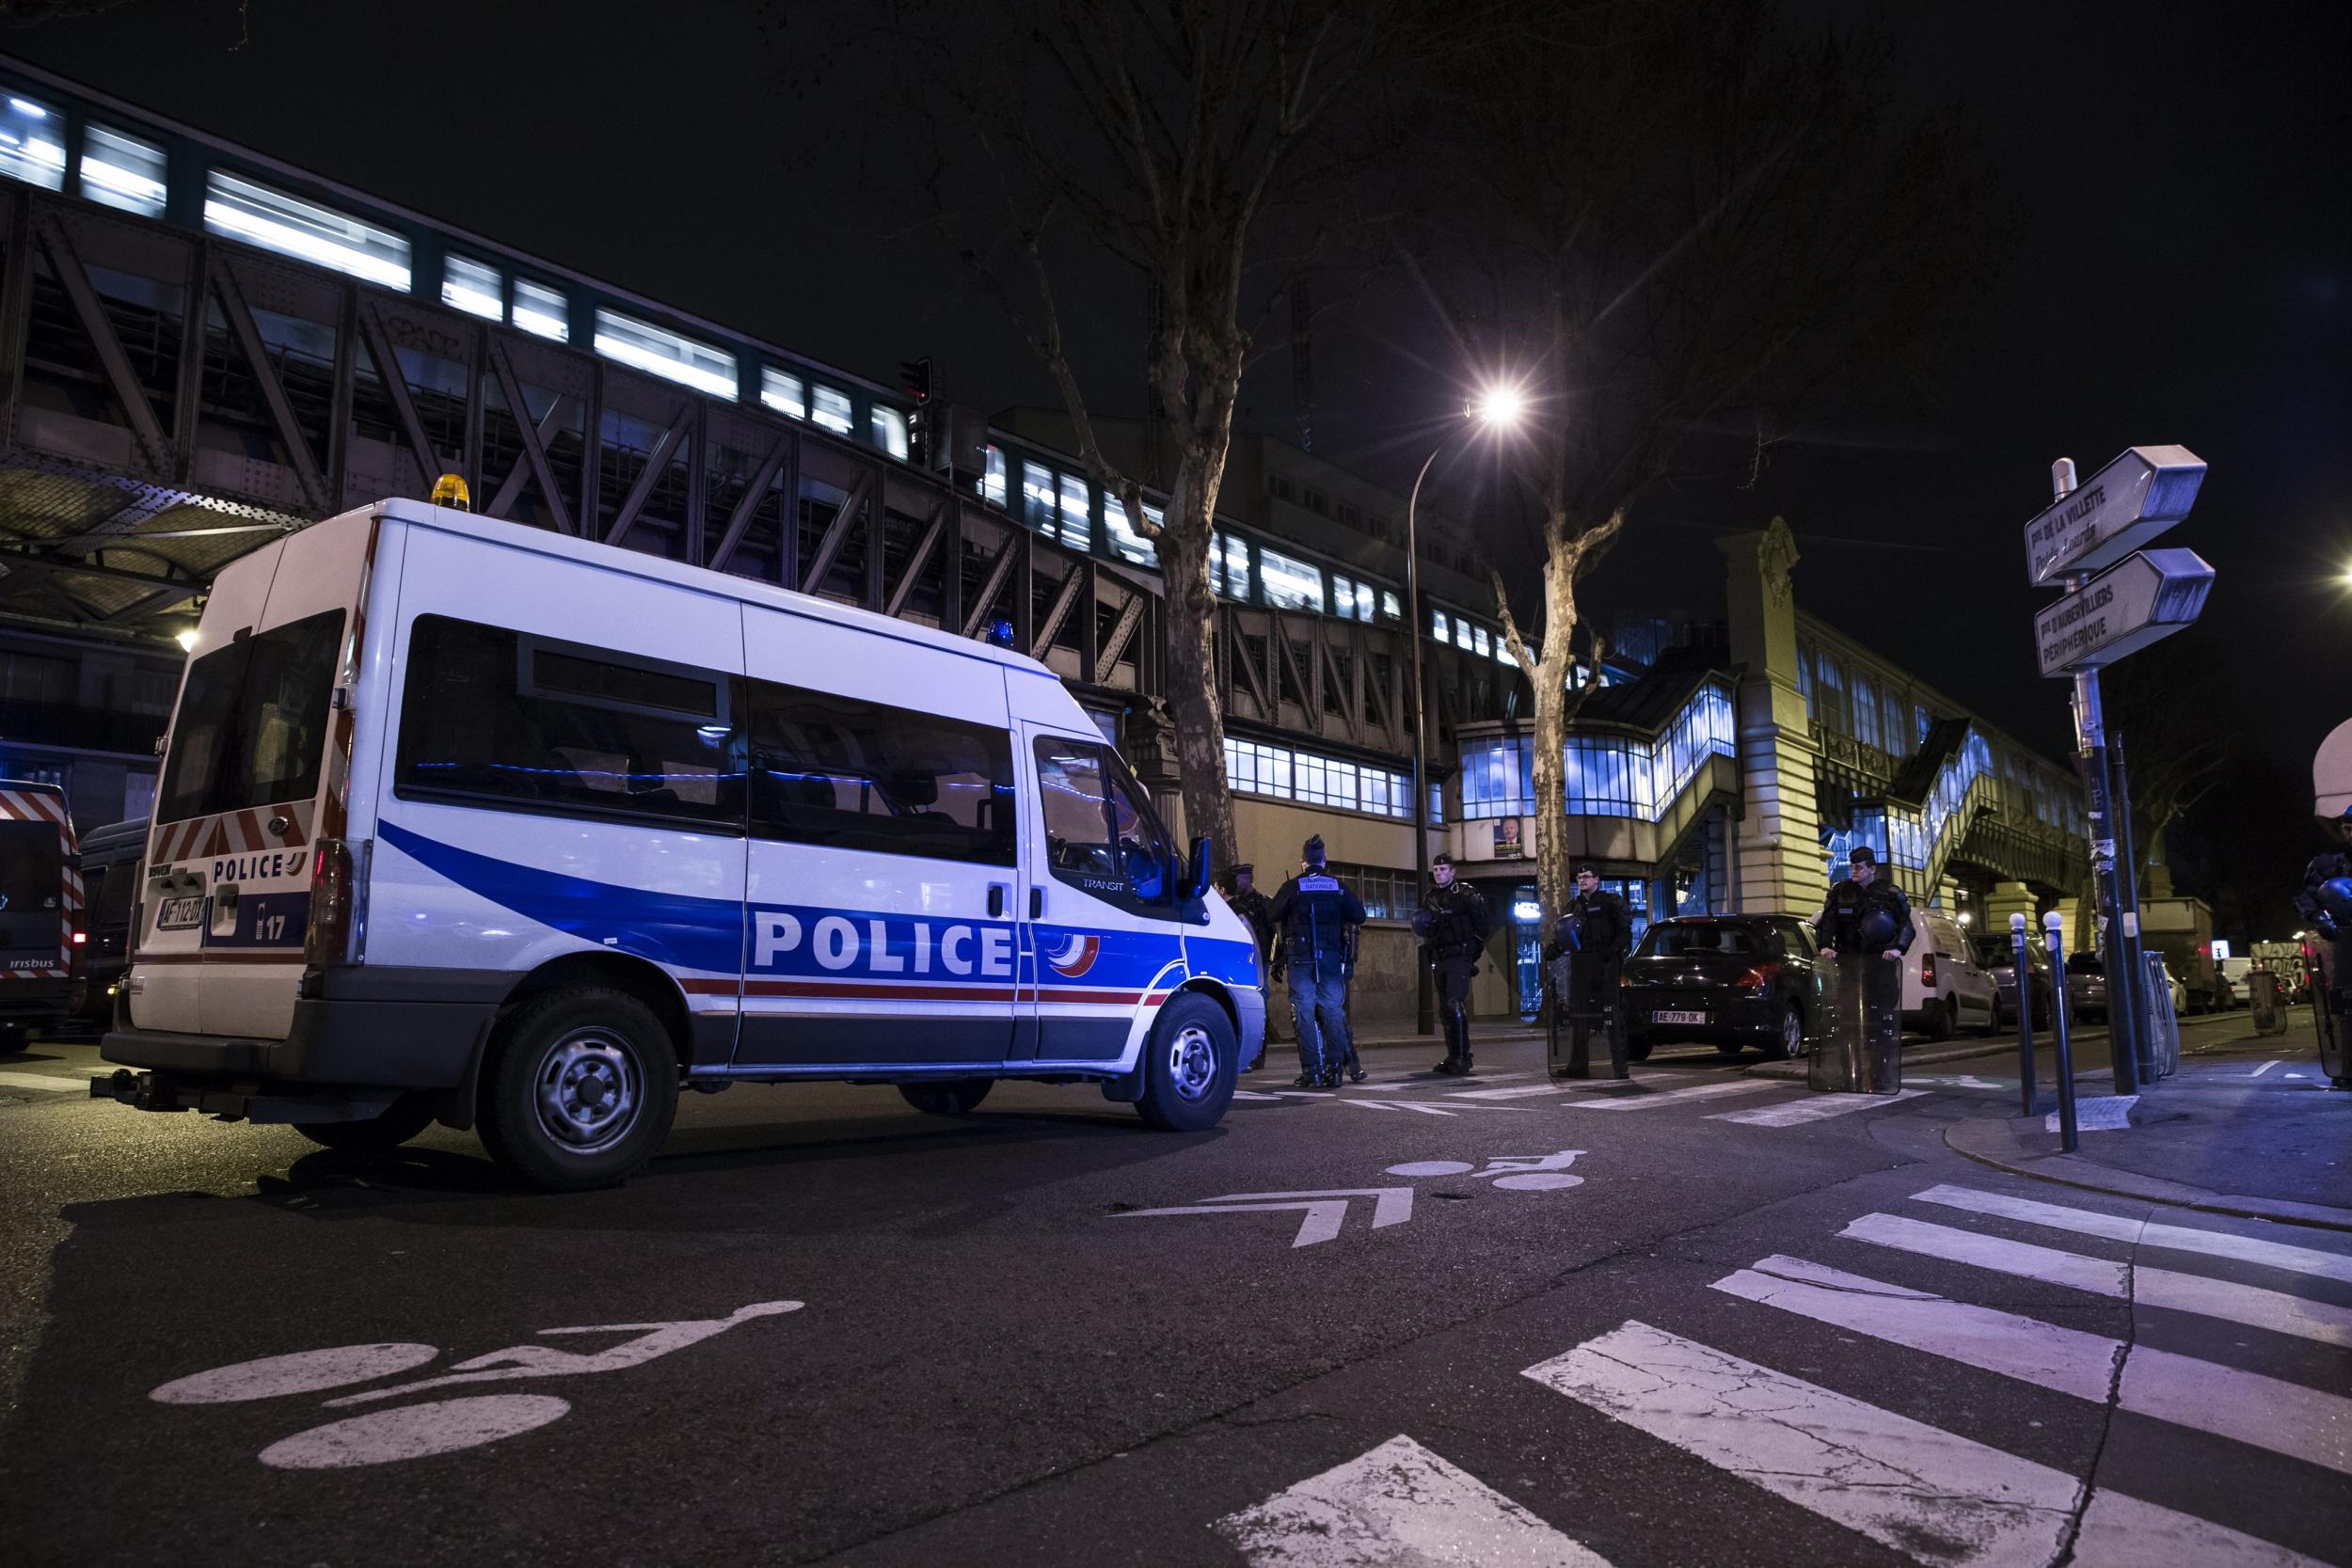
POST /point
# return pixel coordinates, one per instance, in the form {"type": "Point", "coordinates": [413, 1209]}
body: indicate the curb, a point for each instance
{"type": "Point", "coordinates": [1997, 1143]}
{"type": "Point", "coordinates": [1911, 1059]}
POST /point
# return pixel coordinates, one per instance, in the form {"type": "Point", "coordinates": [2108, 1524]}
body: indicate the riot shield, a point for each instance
{"type": "Point", "coordinates": [1863, 1053]}
{"type": "Point", "coordinates": [2163, 1025]}
{"type": "Point", "coordinates": [2332, 1006]}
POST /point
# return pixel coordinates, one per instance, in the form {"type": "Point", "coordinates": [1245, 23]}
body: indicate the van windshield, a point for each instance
{"type": "Point", "coordinates": [30, 880]}
{"type": "Point", "coordinates": [251, 728]}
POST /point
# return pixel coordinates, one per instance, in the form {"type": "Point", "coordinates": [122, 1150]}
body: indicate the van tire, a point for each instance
{"type": "Point", "coordinates": [1944, 1018]}
{"type": "Point", "coordinates": [955, 1097]}
{"type": "Point", "coordinates": [1190, 1063]}
{"type": "Point", "coordinates": [399, 1121]}
{"type": "Point", "coordinates": [584, 1046]}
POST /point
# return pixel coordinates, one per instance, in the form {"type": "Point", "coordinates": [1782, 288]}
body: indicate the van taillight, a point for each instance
{"type": "Point", "coordinates": [1926, 970]}
{"type": "Point", "coordinates": [338, 929]}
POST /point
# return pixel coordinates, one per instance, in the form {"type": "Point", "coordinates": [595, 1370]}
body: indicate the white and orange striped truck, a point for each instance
{"type": "Point", "coordinates": [41, 909]}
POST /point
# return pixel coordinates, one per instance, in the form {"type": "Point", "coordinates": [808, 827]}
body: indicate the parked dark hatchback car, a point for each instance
{"type": "Point", "coordinates": [1998, 958]}
{"type": "Point", "coordinates": [1734, 980]}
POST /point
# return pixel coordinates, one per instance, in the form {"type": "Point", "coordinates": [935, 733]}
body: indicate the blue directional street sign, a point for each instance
{"type": "Point", "coordinates": [2151, 595]}
{"type": "Point", "coordinates": [2116, 511]}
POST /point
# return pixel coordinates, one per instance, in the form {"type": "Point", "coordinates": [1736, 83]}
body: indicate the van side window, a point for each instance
{"type": "Point", "coordinates": [535, 725]}
{"type": "Point", "coordinates": [1100, 834]}
{"type": "Point", "coordinates": [849, 774]}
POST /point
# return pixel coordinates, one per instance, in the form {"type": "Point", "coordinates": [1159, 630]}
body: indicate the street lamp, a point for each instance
{"type": "Point", "coordinates": [1498, 408]}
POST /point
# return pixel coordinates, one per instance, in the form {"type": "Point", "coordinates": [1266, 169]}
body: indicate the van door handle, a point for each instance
{"type": "Point", "coordinates": [995, 900]}
{"type": "Point", "coordinates": [1037, 903]}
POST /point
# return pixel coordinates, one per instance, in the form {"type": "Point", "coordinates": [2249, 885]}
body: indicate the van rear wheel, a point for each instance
{"type": "Point", "coordinates": [956, 1097]}
{"type": "Point", "coordinates": [581, 1089]}
{"type": "Point", "coordinates": [401, 1120]}
{"type": "Point", "coordinates": [1190, 1062]}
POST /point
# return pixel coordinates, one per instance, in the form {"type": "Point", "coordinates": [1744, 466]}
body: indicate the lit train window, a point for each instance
{"type": "Point", "coordinates": [671, 356]}
{"type": "Point", "coordinates": [122, 172]}
{"type": "Point", "coordinates": [32, 148]}
{"type": "Point", "coordinates": [473, 286]}
{"type": "Point", "coordinates": [1289, 584]}
{"type": "Point", "coordinates": [1228, 566]}
{"type": "Point", "coordinates": [542, 311]}
{"type": "Point", "coordinates": [1036, 496]}
{"type": "Point", "coordinates": [243, 210]}
{"type": "Point", "coordinates": [1390, 609]}
{"type": "Point", "coordinates": [993, 482]}
{"type": "Point", "coordinates": [1125, 542]}
{"type": "Point", "coordinates": [1077, 525]}
{"type": "Point", "coordinates": [890, 432]}
{"type": "Point", "coordinates": [832, 411]}
{"type": "Point", "coordinates": [784, 393]}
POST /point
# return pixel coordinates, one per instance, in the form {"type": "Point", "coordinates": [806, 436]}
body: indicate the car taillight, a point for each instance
{"type": "Point", "coordinates": [80, 936]}
{"type": "Point", "coordinates": [1760, 978]}
{"type": "Point", "coordinates": [1926, 970]}
{"type": "Point", "coordinates": [338, 930]}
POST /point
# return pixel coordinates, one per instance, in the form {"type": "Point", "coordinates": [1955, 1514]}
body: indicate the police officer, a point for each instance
{"type": "Point", "coordinates": [1257, 911]}
{"type": "Point", "coordinates": [1865, 915]}
{"type": "Point", "coordinates": [1594, 934]}
{"type": "Point", "coordinates": [1870, 919]}
{"type": "Point", "coordinates": [2326, 900]}
{"type": "Point", "coordinates": [1314, 916]}
{"type": "Point", "coordinates": [1451, 924]}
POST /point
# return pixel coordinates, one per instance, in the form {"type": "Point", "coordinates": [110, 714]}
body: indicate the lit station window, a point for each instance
{"type": "Point", "coordinates": [542, 311]}
{"type": "Point", "coordinates": [671, 356]}
{"type": "Point", "coordinates": [890, 432]}
{"type": "Point", "coordinates": [122, 172]}
{"type": "Point", "coordinates": [245, 210]}
{"type": "Point", "coordinates": [784, 392]}
{"type": "Point", "coordinates": [32, 146]}
{"type": "Point", "coordinates": [1289, 584]}
{"type": "Point", "coordinates": [831, 410]}
{"type": "Point", "coordinates": [474, 287]}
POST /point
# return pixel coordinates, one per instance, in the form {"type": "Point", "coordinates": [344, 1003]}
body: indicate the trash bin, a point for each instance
{"type": "Point", "coordinates": [2262, 989]}
{"type": "Point", "coordinates": [1863, 995]}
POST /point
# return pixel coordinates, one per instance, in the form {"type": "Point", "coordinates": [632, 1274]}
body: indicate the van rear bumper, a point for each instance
{"type": "Point", "coordinates": [372, 1044]}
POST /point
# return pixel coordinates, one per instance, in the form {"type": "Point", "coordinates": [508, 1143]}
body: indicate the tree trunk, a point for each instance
{"type": "Point", "coordinates": [1555, 877]}
{"type": "Point", "coordinates": [1191, 695]}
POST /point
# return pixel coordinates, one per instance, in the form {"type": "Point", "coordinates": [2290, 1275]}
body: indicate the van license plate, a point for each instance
{"type": "Point", "coordinates": [181, 914]}
{"type": "Point", "coordinates": [1673, 1017]}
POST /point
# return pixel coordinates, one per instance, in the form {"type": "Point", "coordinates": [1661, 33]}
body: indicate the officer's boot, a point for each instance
{"type": "Point", "coordinates": [1458, 1040]}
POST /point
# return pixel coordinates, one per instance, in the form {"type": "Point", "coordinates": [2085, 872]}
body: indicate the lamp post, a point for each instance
{"type": "Point", "coordinates": [1497, 408]}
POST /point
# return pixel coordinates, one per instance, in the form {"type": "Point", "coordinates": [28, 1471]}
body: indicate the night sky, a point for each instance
{"type": "Point", "coordinates": [2180, 177]}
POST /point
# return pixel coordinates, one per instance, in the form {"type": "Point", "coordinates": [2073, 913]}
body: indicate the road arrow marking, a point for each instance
{"type": "Point", "coordinates": [1323, 1210]}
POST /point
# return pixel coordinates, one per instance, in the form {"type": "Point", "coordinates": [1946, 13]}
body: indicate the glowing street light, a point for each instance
{"type": "Point", "coordinates": [1498, 408]}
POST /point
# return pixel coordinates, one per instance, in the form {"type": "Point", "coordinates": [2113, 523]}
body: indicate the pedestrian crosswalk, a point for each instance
{"type": "Point", "coordinates": [1900, 1476]}
{"type": "Point", "coordinates": [1646, 1091]}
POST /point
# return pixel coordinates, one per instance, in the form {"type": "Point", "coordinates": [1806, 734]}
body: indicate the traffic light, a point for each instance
{"type": "Point", "coordinates": [915, 375]}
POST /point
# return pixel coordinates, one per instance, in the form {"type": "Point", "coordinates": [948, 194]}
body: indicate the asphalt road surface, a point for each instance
{"type": "Point", "coordinates": [1706, 1319]}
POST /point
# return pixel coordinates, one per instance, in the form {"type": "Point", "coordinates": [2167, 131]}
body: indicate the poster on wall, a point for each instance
{"type": "Point", "coordinates": [1508, 844]}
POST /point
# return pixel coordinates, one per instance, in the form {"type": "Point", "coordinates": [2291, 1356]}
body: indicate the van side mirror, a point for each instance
{"type": "Point", "coordinates": [1201, 854]}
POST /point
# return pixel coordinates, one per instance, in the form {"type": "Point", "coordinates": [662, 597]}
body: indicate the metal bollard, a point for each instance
{"type": "Point", "coordinates": [2054, 929]}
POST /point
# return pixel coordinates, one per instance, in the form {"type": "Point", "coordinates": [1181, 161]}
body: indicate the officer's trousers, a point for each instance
{"type": "Point", "coordinates": [1453, 981]}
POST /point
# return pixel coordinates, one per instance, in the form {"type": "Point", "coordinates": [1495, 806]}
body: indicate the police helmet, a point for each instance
{"type": "Point", "coordinates": [1878, 930]}
{"type": "Point", "coordinates": [2335, 901]}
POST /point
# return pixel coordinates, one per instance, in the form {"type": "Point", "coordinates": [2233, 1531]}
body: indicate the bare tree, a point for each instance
{"type": "Point", "coordinates": [2171, 705]}
{"type": "Point", "coordinates": [1688, 225]}
{"type": "Point", "coordinates": [1180, 140]}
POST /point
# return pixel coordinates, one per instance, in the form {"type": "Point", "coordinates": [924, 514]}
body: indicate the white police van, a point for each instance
{"type": "Point", "coordinates": [471, 822]}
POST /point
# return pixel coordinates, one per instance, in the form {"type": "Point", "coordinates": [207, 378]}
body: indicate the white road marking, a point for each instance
{"type": "Point", "coordinates": [413, 1431]}
{"type": "Point", "coordinates": [1403, 1105]}
{"type": "Point", "coordinates": [1819, 1108]}
{"type": "Point", "coordinates": [1323, 1210]}
{"type": "Point", "coordinates": [2265, 1068]}
{"type": "Point", "coordinates": [1399, 1506]}
{"type": "Point", "coordinates": [1669, 1097]}
{"type": "Point", "coordinates": [303, 1372]}
{"type": "Point", "coordinates": [1928, 1493]}
{"type": "Point", "coordinates": [2251, 1304]}
{"type": "Point", "coordinates": [2266, 1411]}
{"type": "Point", "coordinates": [44, 1082]}
{"type": "Point", "coordinates": [2109, 1113]}
{"type": "Point", "coordinates": [2176, 1238]}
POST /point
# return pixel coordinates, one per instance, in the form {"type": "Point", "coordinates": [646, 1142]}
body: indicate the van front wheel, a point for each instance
{"type": "Point", "coordinates": [580, 1090]}
{"type": "Point", "coordinates": [1189, 1065]}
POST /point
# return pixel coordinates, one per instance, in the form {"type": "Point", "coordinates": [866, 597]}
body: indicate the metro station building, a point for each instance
{"type": "Point", "coordinates": [202, 348]}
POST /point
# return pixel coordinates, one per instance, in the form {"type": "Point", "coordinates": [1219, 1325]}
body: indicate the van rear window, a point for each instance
{"type": "Point", "coordinates": [31, 876]}
{"type": "Point", "coordinates": [251, 729]}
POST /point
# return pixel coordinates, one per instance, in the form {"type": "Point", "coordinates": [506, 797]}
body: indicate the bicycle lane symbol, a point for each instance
{"type": "Point", "coordinates": [443, 1425]}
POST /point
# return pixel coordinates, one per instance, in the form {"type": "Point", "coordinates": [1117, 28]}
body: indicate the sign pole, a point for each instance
{"type": "Point", "coordinates": [2091, 739]}
{"type": "Point", "coordinates": [2127, 889]}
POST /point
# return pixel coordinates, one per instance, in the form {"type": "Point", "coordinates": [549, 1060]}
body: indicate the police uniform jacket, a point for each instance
{"type": "Point", "coordinates": [1315, 914]}
{"type": "Point", "coordinates": [1597, 926]}
{"type": "Point", "coordinates": [1851, 905]}
{"type": "Point", "coordinates": [1453, 924]}
{"type": "Point", "coordinates": [1258, 909]}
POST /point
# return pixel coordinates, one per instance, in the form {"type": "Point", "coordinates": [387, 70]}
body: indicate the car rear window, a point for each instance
{"type": "Point", "coordinates": [1672, 941]}
{"type": "Point", "coordinates": [251, 728]}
